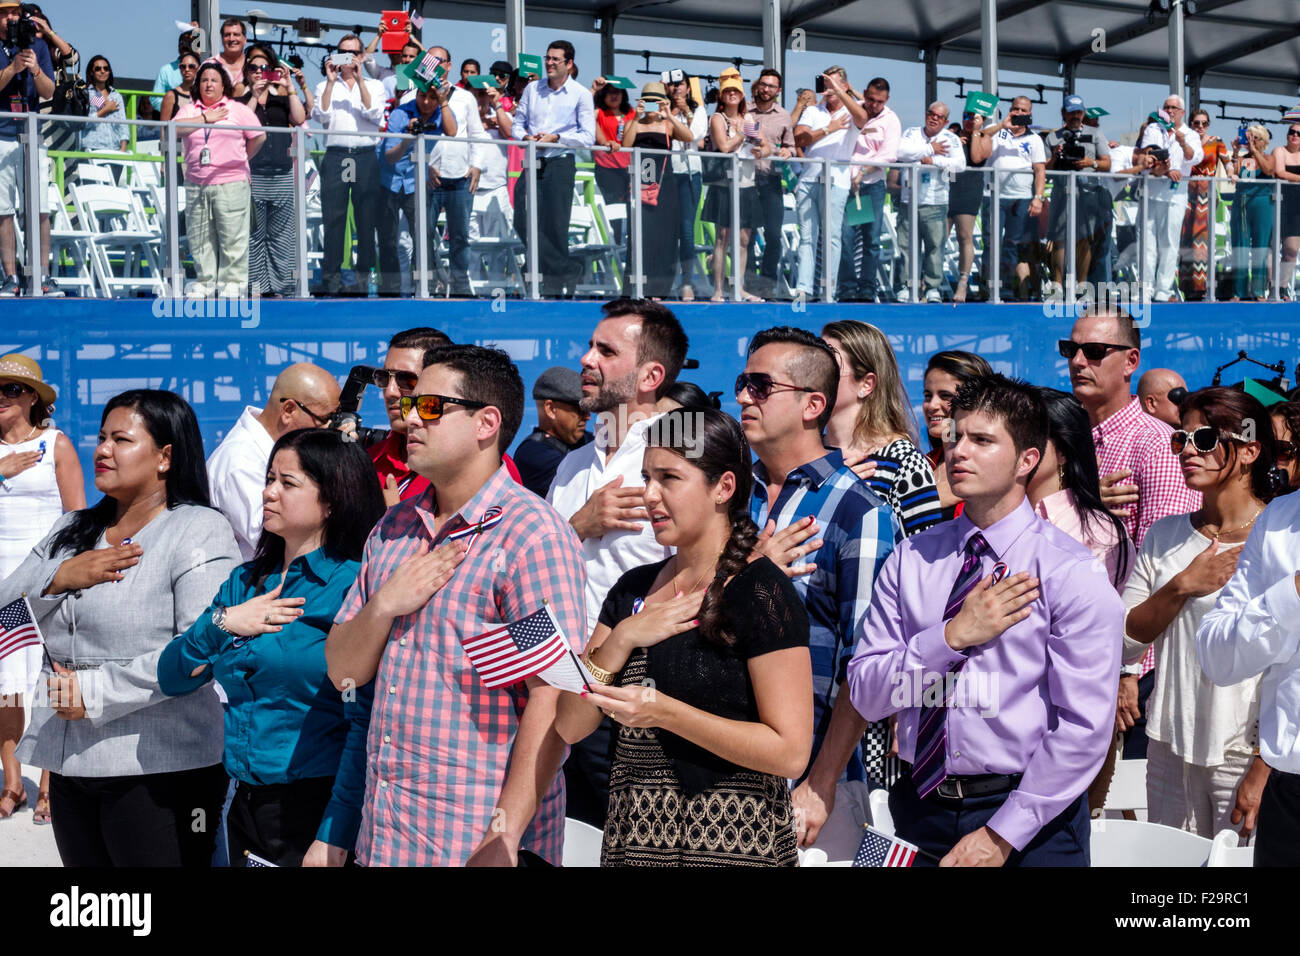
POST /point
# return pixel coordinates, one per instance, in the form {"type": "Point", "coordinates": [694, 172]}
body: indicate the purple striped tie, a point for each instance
{"type": "Point", "coordinates": [929, 769]}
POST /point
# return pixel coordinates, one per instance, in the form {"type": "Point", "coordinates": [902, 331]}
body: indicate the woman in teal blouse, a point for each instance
{"type": "Point", "coordinates": [263, 641]}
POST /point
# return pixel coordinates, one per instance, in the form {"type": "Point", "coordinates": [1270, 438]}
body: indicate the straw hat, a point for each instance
{"type": "Point", "coordinates": [20, 368]}
{"type": "Point", "coordinates": [654, 91]}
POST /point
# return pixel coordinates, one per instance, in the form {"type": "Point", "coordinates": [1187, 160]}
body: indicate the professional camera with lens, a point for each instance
{"type": "Point", "coordinates": [1073, 145]}
{"type": "Point", "coordinates": [350, 401]}
{"type": "Point", "coordinates": [417, 126]}
{"type": "Point", "coordinates": [21, 33]}
{"type": "Point", "coordinates": [1158, 153]}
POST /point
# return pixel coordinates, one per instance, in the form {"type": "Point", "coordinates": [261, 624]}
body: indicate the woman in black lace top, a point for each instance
{"type": "Point", "coordinates": [703, 662]}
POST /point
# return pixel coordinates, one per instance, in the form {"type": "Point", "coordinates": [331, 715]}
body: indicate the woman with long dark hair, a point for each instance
{"type": "Point", "coordinates": [183, 94]}
{"type": "Point", "coordinates": [132, 773]}
{"type": "Point", "coordinates": [263, 639]}
{"type": "Point", "coordinates": [1285, 417]}
{"type": "Point", "coordinates": [613, 116]}
{"type": "Point", "coordinates": [1203, 774]}
{"type": "Point", "coordinates": [944, 374]}
{"type": "Point", "coordinates": [106, 105]}
{"type": "Point", "coordinates": [724, 643]}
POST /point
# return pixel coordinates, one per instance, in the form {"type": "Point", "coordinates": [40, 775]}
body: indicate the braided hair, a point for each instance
{"type": "Point", "coordinates": [714, 442]}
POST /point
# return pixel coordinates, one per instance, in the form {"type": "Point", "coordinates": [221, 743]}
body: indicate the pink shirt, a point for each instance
{"type": "Point", "coordinates": [1099, 536]}
{"type": "Point", "coordinates": [878, 143]}
{"type": "Point", "coordinates": [227, 148]}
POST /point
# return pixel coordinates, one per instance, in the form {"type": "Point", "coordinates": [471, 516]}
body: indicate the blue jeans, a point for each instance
{"type": "Point", "coordinates": [453, 196]}
{"type": "Point", "coordinates": [688, 204]}
{"type": "Point", "coordinates": [808, 206]}
{"type": "Point", "coordinates": [860, 250]}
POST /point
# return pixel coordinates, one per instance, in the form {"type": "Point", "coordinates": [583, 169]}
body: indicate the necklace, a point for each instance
{"type": "Point", "coordinates": [677, 586]}
{"type": "Point", "coordinates": [30, 435]}
{"type": "Point", "coordinates": [1216, 535]}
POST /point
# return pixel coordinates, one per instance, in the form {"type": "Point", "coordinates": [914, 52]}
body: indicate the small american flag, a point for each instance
{"type": "Point", "coordinates": [517, 650]}
{"type": "Point", "coordinates": [879, 849]}
{"type": "Point", "coordinates": [17, 628]}
{"type": "Point", "coordinates": [252, 860]}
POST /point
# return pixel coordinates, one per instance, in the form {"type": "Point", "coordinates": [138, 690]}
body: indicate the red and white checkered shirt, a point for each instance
{"type": "Point", "coordinates": [440, 742]}
{"type": "Point", "coordinates": [1133, 439]}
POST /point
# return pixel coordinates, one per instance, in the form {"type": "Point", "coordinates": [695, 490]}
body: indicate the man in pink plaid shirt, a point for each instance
{"type": "Point", "coordinates": [1131, 446]}
{"type": "Point", "coordinates": [455, 773]}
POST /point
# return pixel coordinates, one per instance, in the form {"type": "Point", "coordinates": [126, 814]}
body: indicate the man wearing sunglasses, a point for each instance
{"type": "Point", "coordinates": [804, 491]}
{"type": "Point", "coordinates": [458, 773]}
{"type": "Point", "coordinates": [635, 353]}
{"type": "Point", "coordinates": [303, 396]}
{"type": "Point", "coordinates": [396, 377]}
{"type": "Point", "coordinates": [1167, 197]}
{"type": "Point", "coordinates": [1141, 479]}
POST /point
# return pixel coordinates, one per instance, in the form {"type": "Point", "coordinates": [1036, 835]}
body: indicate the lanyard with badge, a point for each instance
{"type": "Point", "coordinates": [205, 154]}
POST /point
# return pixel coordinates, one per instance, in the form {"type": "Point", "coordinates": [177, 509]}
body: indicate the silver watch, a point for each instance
{"type": "Point", "coordinates": [219, 618]}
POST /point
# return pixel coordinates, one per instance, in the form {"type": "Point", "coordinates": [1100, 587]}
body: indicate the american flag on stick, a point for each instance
{"type": "Point", "coordinates": [880, 849]}
{"type": "Point", "coordinates": [18, 628]}
{"type": "Point", "coordinates": [517, 650]}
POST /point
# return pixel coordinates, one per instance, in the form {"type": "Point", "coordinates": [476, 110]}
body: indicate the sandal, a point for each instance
{"type": "Point", "coordinates": [688, 294]}
{"type": "Point", "coordinates": [16, 797]}
{"type": "Point", "coordinates": [41, 813]}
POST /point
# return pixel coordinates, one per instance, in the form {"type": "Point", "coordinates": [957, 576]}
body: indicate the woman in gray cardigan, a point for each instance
{"type": "Point", "coordinates": [136, 776]}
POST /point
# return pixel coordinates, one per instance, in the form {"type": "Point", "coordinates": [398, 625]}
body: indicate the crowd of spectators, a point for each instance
{"type": "Point", "coordinates": [477, 190]}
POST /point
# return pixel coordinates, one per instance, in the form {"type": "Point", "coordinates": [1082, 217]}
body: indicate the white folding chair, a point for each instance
{"type": "Point", "coordinates": [582, 843]}
{"type": "Point", "coordinates": [90, 171]}
{"type": "Point", "coordinates": [881, 818]}
{"type": "Point", "coordinates": [599, 270]}
{"type": "Point", "coordinates": [1117, 843]}
{"type": "Point", "coordinates": [494, 258]}
{"type": "Point", "coordinates": [1226, 851]}
{"type": "Point", "coordinates": [125, 252]}
{"type": "Point", "coordinates": [1128, 788]}
{"type": "Point", "coordinates": [66, 240]}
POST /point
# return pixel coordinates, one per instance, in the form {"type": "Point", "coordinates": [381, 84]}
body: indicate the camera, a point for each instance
{"type": "Point", "coordinates": [819, 84]}
{"type": "Point", "coordinates": [672, 76]}
{"type": "Point", "coordinates": [1158, 153]}
{"type": "Point", "coordinates": [1021, 119]}
{"type": "Point", "coordinates": [350, 400]}
{"type": "Point", "coordinates": [1072, 145]}
{"type": "Point", "coordinates": [21, 33]}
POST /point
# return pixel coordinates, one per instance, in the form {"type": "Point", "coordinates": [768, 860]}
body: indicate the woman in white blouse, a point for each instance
{"type": "Point", "coordinates": [1203, 769]}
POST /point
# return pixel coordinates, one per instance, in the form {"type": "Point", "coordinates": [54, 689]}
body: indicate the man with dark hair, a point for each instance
{"type": "Point", "coordinates": [557, 109]}
{"type": "Point", "coordinates": [560, 428]}
{"type": "Point", "coordinates": [397, 376]}
{"type": "Point", "coordinates": [458, 773]}
{"type": "Point", "coordinates": [1141, 478]}
{"type": "Point", "coordinates": [454, 170]}
{"type": "Point", "coordinates": [786, 395]}
{"type": "Point", "coordinates": [234, 37]}
{"type": "Point", "coordinates": [468, 68]}
{"type": "Point", "coordinates": [635, 353]}
{"type": "Point", "coordinates": [1002, 689]}
{"type": "Point", "coordinates": [776, 129]}
{"type": "Point", "coordinates": [860, 244]}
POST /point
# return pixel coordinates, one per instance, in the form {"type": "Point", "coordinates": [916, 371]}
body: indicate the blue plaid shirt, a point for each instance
{"type": "Point", "coordinates": [858, 531]}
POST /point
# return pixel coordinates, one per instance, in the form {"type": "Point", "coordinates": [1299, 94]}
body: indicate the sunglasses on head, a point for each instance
{"type": "Point", "coordinates": [321, 420]}
{"type": "Point", "coordinates": [430, 407]}
{"type": "Point", "coordinates": [1092, 351]}
{"type": "Point", "coordinates": [1204, 439]}
{"type": "Point", "coordinates": [14, 389]}
{"type": "Point", "coordinates": [405, 380]}
{"type": "Point", "coordinates": [760, 385]}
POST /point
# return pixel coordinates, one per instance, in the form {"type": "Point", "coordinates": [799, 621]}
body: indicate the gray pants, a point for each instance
{"type": "Point", "coordinates": [931, 227]}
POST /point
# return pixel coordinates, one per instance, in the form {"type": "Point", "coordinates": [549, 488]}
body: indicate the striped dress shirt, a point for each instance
{"type": "Point", "coordinates": [858, 532]}
{"type": "Point", "coordinates": [439, 742]}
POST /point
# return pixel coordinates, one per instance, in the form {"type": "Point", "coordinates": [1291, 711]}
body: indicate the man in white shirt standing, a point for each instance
{"type": "Point", "coordinates": [1021, 160]}
{"type": "Point", "coordinates": [351, 106]}
{"type": "Point", "coordinates": [454, 171]}
{"type": "Point", "coordinates": [939, 150]}
{"type": "Point", "coordinates": [860, 244]}
{"type": "Point", "coordinates": [828, 131]}
{"type": "Point", "coordinates": [636, 352]}
{"type": "Point", "coordinates": [555, 110]}
{"type": "Point", "coordinates": [303, 396]}
{"type": "Point", "coordinates": [1255, 629]}
{"type": "Point", "coordinates": [1166, 197]}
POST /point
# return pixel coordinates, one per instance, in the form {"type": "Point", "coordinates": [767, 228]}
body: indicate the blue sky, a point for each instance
{"type": "Point", "coordinates": [138, 36]}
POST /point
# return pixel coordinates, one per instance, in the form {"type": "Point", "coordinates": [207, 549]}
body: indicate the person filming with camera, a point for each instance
{"type": "Point", "coordinates": [1071, 148]}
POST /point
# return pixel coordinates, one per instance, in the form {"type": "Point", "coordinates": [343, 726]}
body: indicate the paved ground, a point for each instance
{"type": "Point", "coordinates": [22, 843]}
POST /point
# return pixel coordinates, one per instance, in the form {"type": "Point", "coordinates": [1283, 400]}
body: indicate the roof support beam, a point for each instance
{"type": "Point", "coordinates": [1257, 45]}
{"type": "Point", "coordinates": [989, 46]}
{"type": "Point", "coordinates": [816, 10]}
{"type": "Point", "coordinates": [1136, 28]}
{"type": "Point", "coordinates": [514, 30]}
{"type": "Point", "coordinates": [970, 24]}
{"type": "Point", "coordinates": [1176, 39]}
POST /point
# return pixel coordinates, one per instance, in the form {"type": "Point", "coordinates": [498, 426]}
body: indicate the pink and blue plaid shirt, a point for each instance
{"type": "Point", "coordinates": [439, 742]}
{"type": "Point", "coordinates": [1133, 439]}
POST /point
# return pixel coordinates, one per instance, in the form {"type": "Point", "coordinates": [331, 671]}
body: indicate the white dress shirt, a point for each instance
{"type": "Point", "coordinates": [1155, 135]}
{"type": "Point", "coordinates": [579, 475]}
{"type": "Point", "coordinates": [453, 160]}
{"type": "Point", "coordinates": [914, 146]}
{"type": "Point", "coordinates": [699, 126]}
{"type": "Point", "coordinates": [837, 146]}
{"type": "Point", "coordinates": [346, 113]}
{"type": "Point", "coordinates": [1255, 629]}
{"type": "Point", "coordinates": [568, 112]}
{"type": "Point", "coordinates": [237, 475]}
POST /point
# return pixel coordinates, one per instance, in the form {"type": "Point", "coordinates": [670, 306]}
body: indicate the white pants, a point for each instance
{"type": "Point", "coordinates": [493, 220]}
{"type": "Point", "coordinates": [1161, 234]}
{"type": "Point", "coordinates": [1197, 799]}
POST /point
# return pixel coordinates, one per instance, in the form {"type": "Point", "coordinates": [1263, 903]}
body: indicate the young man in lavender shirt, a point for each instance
{"type": "Point", "coordinates": [1004, 691]}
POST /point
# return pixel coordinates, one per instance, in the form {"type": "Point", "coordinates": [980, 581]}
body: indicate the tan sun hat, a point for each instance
{"type": "Point", "coordinates": [20, 368]}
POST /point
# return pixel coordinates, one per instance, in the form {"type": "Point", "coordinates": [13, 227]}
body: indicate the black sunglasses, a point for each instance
{"type": "Point", "coordinates": [1286, 450]}
{"type": "Point", "coordinates": [321, 420]}
{"type": "Point", "coordinates": [760, 385]}
{"type": "Point", "coordinates": [430, 407]}
{"type": "Point", "coordinates": [405, 380]}
{"type": "Point", "coordinates": [1092, 351]}
{"type": "Point", "coordinates": [1204, 439]}
{"type": "Point", "coordinates": [14, 389]}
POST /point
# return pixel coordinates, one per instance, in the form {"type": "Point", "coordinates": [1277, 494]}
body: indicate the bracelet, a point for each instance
{"type": "Point", "coordinates": [598, 672]}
